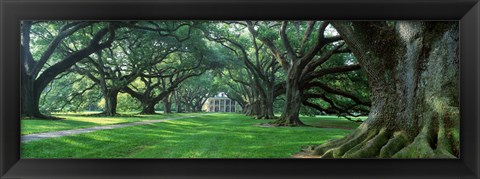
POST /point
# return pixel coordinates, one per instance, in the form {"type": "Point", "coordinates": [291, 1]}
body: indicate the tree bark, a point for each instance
{"type": "Point", "coordinates": [187, 107]}
{"type": "Point", "coordinates": [293, 101]}
{"type": "Point", "coordinates": [178, 102]}
{"type": "Point", "coordinates": [30, 98]}
{"type": "Point", "coordinates": [266, 105]}
{"type": "Point", "coordinates": [253, 108]}
{"type": "Point", "coordinates": [167, 106]}
{"type": "Point", "coordinates": [179, 107]}
{"type": "Point", "coordinates": [413, 71]}
{"type": "Point", "coordinates": [110, 108]}
{"type": "Point", "coordinates": [199, 108]}
{"type": "Point", "coordinates": [148, 107]}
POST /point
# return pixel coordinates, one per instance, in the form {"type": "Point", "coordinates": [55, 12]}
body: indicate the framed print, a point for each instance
{"type": "Point", "coordinates": [239, 89]}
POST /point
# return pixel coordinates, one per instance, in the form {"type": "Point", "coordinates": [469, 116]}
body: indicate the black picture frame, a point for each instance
{"type": "Point", "coordinates": [467, 12]}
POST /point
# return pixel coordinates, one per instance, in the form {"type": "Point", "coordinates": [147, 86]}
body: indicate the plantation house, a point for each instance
{"type": "Point", "coordinates": [221, 103]}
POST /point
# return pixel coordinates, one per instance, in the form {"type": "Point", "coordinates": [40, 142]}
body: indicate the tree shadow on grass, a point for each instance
{"type": "Point", "coordinates": [116, 115]}
{"type": "Point", "coordinates": [122, 115]}
{"type": "Point", "coordinates": [38, 126]}
{"type": "Point", "coordinates": [202, 137]}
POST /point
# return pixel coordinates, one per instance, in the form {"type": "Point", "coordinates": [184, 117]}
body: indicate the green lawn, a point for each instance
{"type": "Point", "coordinates": [75, 121]}
{"type": "Point", "coordinates": [206, 136]}
{"type": "Point", "coordinates": [332, 122]}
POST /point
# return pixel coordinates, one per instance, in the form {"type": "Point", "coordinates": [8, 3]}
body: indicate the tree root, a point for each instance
{"type": "Point", "coordinates": [422, 147]}
{"type": "Point", "coordinates": [394, 144]}
{"type": "Point", "coordinates": [433, 141]}
{"type": "Point", "coordinates": [43, 117]}
{"type": "Point", "coordinates": [266, 117]}
{"type": "Point", "coordinates": [282, 122]}
{"type": "Point", "coordinates": [370, 147]}
{"type": "Point", "coordinates": [102, 114]}
{"type": "Point", "coordinates": [337, 146]}
{"type": "Point", "coordinates": [149, 113]}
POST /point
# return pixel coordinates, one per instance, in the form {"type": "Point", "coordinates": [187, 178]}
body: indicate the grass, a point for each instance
{"type": "Point", "coordinates": [80, 120]}
{"type": "Point", "coordinates": [328, 121]}
{"type": "Point", "coordinates": [206, 136]}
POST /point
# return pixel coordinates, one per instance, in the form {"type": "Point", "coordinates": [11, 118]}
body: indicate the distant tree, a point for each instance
{"type": "Point", "coordinates": [303, 54]}
{"type": "Point", "coordinates": [158, 81]}
{"type": "Point", "coordinates": [260, 66]}
{"type": "Point", "coordinates": [178, 101]}
{"type": "Point", "coordinates": [115, 67]}
{"type": "Point", "coordinates": [69, 92]}
{"type": "Point", "coordinates": [195, 91]}
{"type": "Point", "coordinates": [138, 48]}
{"type": "Point", "coordinates": [127, 103]}
{"type": "Point", "coordinates": [111, 76]}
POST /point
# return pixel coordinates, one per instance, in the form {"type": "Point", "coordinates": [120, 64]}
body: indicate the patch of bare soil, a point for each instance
{"type": "Point", "coordinates": [304, 154]}
{"type": "Point", "coordinates": [266, 125]}
{"type": "Point", "coordinates": [335, 127]}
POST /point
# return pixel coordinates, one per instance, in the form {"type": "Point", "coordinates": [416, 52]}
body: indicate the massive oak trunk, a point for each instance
{"type": "Point", "coordinates": [198, 108]}
{"type": "Point", "coordinates": [147, 102]}
{"type": "Point", "coordinates": [252, 108]}
{"type": "Point", "coordinates": [178, 102]}
{"type": "Point", "coordinates": [167, 105]}
{"type": "Point", "coordinates": [293, 100]}
{"type": "Point", "coordinates": [413, 70]}
{"type": "Point", "coordinates": [267, 108]}
{"type": "Point", "coordinates": [30, 98]}
{"type": "Point", "coordinates": [187, 107]}
{"type": "Point", "coordinates": [260, 104]}
{"type": "Point", "coordinates": [110, 108]}
{"type": "Point", "coordinates": [179, 107]}
{"type": "Point", "coordinates": [148, 107]}
{"type": "Point", "coordinates": [266, 103]}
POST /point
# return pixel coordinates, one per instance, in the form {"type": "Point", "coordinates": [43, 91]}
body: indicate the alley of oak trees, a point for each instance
{"type": "Point", "coordinates": [403, 75]}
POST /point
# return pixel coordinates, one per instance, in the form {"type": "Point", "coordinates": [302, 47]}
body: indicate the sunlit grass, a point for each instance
{"type": "Point", "coordinates": [84, 120]}
{"type": "Point", "coordinates": [206, 136]}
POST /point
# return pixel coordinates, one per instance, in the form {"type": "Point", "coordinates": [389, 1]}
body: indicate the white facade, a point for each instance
{"type": "Point", "coordinates": [220, 103]}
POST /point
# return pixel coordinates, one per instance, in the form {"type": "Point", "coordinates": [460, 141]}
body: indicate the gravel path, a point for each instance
{"type": "Point", "coordinates": [44, 135]}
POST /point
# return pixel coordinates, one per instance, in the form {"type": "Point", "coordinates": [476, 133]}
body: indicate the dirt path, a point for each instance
{"type": "Point", "coordinates": [44, 135]}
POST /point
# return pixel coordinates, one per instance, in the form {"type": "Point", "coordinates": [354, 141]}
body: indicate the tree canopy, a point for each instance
{"type": "Point", "coordinates": [77, 65]}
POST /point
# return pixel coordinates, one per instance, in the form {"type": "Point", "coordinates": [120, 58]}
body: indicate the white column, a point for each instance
{"type": "Point", "coordinates": [224, 105]}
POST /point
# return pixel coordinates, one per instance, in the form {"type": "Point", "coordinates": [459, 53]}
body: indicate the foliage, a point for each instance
{"type": "Point", "coordinates": [126, 103]}
{"type": "Point", "coordinates": [69, 92]}
{"type": "Point", "coordinates": [153, 60]}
